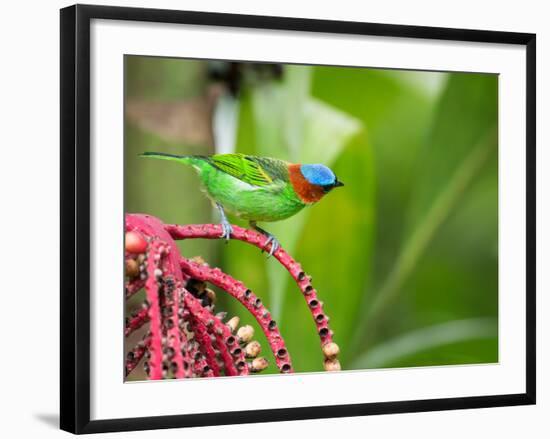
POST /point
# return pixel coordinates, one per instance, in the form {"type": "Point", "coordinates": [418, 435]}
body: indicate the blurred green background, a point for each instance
{"type": "Point", "coordinates": [405, 256]}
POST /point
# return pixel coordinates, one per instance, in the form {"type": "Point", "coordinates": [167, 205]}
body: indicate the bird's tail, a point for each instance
{"type": "Point", "coordinates": [186, 159]}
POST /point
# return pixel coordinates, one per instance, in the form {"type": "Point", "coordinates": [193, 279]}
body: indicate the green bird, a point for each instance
{"type": "Point", "coordinates": [257, 189]}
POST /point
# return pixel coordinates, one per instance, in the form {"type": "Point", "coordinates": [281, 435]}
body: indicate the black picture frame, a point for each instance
{"type": "Point", "coordinates": [75, 217]}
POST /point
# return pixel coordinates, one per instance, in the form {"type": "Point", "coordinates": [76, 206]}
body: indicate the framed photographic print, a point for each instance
{"type": "Point", "coordinates": [268, 218]}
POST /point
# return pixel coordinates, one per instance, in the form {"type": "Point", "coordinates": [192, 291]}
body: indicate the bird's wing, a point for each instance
{"type": "Point", "coordinates": [256, 171]}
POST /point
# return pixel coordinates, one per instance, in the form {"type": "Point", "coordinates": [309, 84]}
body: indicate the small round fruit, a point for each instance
{"type": "Point", "coordinates": [132, 268]}
{"type": "Point", "coordinates": [135, 242]}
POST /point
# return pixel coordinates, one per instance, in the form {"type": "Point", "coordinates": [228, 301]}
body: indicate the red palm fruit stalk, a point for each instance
{"type": "Point", "coordinates": [170, 277]}
{"type": "Point", "coordinates": [205, 343]}
{"type": "Point", "coordinates": [201, 348]}
{"type": "Point", "coordinates": [135, 355]}
{"type": "Point", "coordinates": [137, 321]}
{"type": "Point", "coordinates": [239, 291]}
{"type": "Point", "coordinates": [174, 354]}
{"type": "Point", "coordinates": [162, 270]}
{"type": "Point", "coordinates": [217, 330]}
{"type": "Point", "coordinates": [155, 324]}
{"type": "Point", "coordinates": [133, 286]}
{"type": "Point", "coordinates": [214, 231]}
{"type": "Point", "coordinates": [194, 341]}
{"type": "Point", "coordinates": [225, 340]}
{"type": "Point", "coordinates": [200, 366]}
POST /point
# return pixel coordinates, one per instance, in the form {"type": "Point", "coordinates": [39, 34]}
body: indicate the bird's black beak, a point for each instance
{"type": "Point", "coordinates": [329, 187]}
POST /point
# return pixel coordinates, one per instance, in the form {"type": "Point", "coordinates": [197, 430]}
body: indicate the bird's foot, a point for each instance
{"type": "Point", "coordinates": [227, 230]}
{"type": "Point", "coordinates": [275, 245]}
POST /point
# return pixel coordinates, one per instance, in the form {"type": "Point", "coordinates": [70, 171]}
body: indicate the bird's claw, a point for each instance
{"type": "Point", "coordinates": [227, 230]}
{"type": "Point", "coordinates": [274, 245]}
{"type": "Point", "coordinates": [270, 239]}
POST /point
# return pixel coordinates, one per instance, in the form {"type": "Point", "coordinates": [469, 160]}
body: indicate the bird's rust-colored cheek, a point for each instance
{"type": "Point", "coordinates": [308, 193]}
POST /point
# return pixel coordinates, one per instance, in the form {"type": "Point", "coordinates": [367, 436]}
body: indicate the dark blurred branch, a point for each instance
{"type": "Point", "coordinates": [184, 121]}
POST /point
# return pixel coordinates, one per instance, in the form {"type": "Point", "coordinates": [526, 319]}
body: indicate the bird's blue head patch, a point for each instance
{"type": "Point", "coordinates": [318, 174]}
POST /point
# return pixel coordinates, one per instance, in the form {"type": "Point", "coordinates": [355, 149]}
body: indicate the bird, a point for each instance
{"type": "Point", "coordinates": [257, 189]}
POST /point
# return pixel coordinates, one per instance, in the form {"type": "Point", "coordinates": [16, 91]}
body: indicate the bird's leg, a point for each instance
{"type": "Point", "coordinates": [270, 238]}
{"type": "Point", "coordinates": [227, 229]}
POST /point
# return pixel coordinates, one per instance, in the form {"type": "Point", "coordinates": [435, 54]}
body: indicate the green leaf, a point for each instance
{"type": "Point", "coordinates": [466, 116]}
{"type": "Point", "coordinates": [397, 114]}
{"type": "Point", "coordinates": [457, 153]}
{"type": "Point", "coordinates": [438, 211]}
{"type": "Point", "coordinates": [392, 353]}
